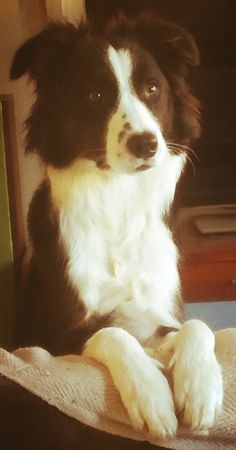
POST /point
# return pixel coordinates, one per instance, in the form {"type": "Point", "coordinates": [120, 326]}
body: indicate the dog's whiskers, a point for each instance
{"type": "Point", "coordinates": [176, 147]}
{"type": "Point", "coordinates": [184, 147]}
{"type": "Point", "coordinates": [192, 163]}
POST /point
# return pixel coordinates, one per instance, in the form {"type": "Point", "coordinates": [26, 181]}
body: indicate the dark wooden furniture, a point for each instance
{"type": "Point", "coordinates": [208, 267]}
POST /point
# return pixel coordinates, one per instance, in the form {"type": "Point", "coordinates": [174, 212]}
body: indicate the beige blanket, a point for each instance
{"type": "Point", "coordinates": [83, 389]}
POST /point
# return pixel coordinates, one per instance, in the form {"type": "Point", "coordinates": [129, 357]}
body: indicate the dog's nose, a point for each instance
{"type": "Point", "coordinates": [142, 145]}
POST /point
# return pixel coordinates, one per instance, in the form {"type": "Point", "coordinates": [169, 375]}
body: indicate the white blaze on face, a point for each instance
{"type": "Point", "coordinates": [131, 116]}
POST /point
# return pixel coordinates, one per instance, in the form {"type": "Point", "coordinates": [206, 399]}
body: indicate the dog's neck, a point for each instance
{"type": "Point", "coordinates": [155, 187]}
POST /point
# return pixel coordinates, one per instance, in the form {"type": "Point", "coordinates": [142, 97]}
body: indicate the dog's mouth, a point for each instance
{"type": "Point", "coordinates": [143, 167]}
{"type": "Point", "coordinates": [145, 164]}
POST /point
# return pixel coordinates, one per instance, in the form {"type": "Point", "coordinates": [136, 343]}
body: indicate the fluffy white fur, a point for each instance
{"type": "Point", "coordinates": [123, 260]}
{"type": "Point", "coordinates": [121, 254]}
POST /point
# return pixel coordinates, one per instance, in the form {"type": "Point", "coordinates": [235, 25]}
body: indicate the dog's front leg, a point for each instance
{"type": "Point", "coordinates": [197, 377]}
{"type": "Point", "coordinates": [144, 390]}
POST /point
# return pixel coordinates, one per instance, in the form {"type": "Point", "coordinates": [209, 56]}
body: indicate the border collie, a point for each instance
{"type": "Point", "coordinates": [112, 121]}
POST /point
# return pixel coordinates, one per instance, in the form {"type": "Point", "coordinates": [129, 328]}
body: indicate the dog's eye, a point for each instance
{"type": "Point", "coordinates": [95, 96]}
{"type": "Point", "coordinates": [151, 89]}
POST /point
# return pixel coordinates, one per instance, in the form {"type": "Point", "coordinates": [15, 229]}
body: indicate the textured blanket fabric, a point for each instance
{"type": "Point", "coordinates": [83, 389]}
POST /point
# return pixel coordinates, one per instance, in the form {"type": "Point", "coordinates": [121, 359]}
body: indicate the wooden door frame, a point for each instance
{"type": "Point", "coordinates": [11, 225]}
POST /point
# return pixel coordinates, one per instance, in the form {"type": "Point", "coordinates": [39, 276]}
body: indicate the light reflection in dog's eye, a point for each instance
{"type": "Point", "coordinates": [151, 89]}
{"type": "Point", "coordinates": [95, 96]}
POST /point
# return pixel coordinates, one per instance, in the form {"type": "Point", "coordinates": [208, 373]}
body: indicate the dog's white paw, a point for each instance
{"type": "Point", "coordinates": [143, 388]}
{"type": "Point", "coordinates": [148, 399]}
{"type": "Point", "coordinates": [198, 392]}
{"type": "Point", "coordinates": [197, 385]}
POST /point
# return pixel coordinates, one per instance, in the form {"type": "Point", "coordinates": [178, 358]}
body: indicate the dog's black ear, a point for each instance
{"type": "Point", "coordinates": [173, 46]}
{"type": "Point", "coordinates": [46, 50]}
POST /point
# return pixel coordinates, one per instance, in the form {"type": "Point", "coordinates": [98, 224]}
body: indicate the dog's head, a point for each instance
{"type": "Point", "coordinates": [117, 97]}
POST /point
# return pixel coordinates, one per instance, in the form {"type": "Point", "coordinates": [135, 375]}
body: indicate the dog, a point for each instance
{"type": "Point", "coordinates": [112, 123]}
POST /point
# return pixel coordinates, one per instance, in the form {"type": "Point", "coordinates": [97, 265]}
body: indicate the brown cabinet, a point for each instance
{"type": "Point", "coordinates": [208, 262]}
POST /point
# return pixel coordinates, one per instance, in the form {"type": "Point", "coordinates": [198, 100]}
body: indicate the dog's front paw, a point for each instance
{"type": "Point", "coordinates": [143, 388]}
{"type": "Point", "coordinates": [198, 392]}
{"type": "Point", "coordinates": [148, 399]}
{"type": "Point", "coordinates": [197, 385]}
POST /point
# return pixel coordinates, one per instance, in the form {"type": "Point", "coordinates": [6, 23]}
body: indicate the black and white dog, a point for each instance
{"type": "Point", "coordinates": [112, 122]}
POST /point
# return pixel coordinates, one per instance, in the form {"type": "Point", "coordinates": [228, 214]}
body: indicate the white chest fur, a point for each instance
{"type": "Point", "coordinates": [121, 255]}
